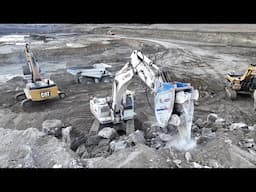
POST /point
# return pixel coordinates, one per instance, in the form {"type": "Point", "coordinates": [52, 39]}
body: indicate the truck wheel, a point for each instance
{"type": "Point", "coordinates": [62, 95]}
{"type": "Point", "coordinates": [106, 80]}
{"type": "Point", "coordinates": [231, 94]}
{"type": "Point", "coordinates": [20, 96]}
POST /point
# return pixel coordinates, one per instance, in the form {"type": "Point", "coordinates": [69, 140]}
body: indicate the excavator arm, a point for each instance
{"type": "Point", "coordinates": [173, 100]}
{"type": "Point", "coordinates": [166, 94]}
{"type": "Point", "coordinates": [32, 65]}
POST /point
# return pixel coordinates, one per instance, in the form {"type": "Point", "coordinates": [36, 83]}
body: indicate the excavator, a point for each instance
{"type": "Point", "coordinates": [242, 83]}
{"type": "Point", "coordinates": [37, 89]}
{"type": "Point", "coordinates": [173, 101]}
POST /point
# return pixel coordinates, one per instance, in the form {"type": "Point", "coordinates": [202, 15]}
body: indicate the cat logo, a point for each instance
{"type": "Point", "coordinates": [45, 94]}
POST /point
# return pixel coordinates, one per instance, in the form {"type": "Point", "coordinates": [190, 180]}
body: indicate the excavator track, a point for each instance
{"type": "Point", "coordinates": [25, 104]}
{"type": "Point", "coordinates": [231, 94]}
{"type": "Point", "coordinates": [20, 96]}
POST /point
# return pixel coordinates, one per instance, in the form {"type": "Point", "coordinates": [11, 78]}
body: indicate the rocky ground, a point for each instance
{"type": "Point", "coordinates": [224, 130]}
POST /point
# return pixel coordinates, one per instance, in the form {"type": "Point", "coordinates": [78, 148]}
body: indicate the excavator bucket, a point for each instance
{"type": "Point", "coordinates": [184, 99]}
{"type": "Point", "coordinates": [164, 103]}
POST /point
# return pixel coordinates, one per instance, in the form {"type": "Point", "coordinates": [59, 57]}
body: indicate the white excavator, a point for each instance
{"type": "Point", "coordinates": [173, 101]}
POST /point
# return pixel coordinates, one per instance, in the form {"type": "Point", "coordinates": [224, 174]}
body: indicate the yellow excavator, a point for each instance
{"type": "Point", "coordinates": [37, 89]}
{"type": "Point", "coordinates": [241, 83]}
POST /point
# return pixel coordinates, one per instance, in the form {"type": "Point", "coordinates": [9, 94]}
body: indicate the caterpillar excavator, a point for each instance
{"type": "Point", "coordinates": [37, 89]}
{"type": "Point", "coordinates": [242, 83]}
{"type": "Point", "coordinates": [173, 101]}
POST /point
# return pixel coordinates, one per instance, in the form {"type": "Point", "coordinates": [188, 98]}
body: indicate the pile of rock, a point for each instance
{"type": "Point", "coordinates": [33, 148]}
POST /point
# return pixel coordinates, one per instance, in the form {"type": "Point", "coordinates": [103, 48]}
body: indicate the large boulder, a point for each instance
{"type": "Point", "coordinates": [117, 145]}
{"type": "Point", "coordinates": [107, 133]}
{"type": "Point", "coordinates": [236, 126]}
{"type": "Point", "coordinates": [51, 126]}
{"type": "Point", "coordinates": [136, 137]}
{"type": "Point", "coordinates": [212, 117]}
{"type": "Point", "coordinates": [33, 148]}
{"type": "Point", "coordinates": [139, 156]}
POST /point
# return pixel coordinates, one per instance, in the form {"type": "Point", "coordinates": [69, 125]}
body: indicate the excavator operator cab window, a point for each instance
{"type": "Point", "coordinates": [128, 103]}
{"type": "Point", "coordinates": [104, 109]}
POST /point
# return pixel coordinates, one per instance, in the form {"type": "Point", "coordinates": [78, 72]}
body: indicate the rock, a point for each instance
{"type": "Point", "coordinates": [220, 121]}
{"type": "Point", "coordinates": [197, 165]}
{"type": "Point", "coordinates": [90, 162]}
{"type": "Point", "coordinates": [177, 162]}
{"type": "Point", "coordinates": [108, 133]}
{"type": "Point", "coordinates": [247, 143]}
{"type": "Point", "coordinates": [66, 135]}
{"type": "Point", "coordinates": [235, 126]}
{"type": "Point", "coordinates": [188, 157]}
{"type": "Point", "coordinates": [195, 128]}
{"type": "Point", "coordinates": [212, 117]}
{"type": "Point", "coordinates": [156, 143]}
{"type": "Point", "coordinates": [100, 151]}
{"type": "Point", "coordinates": [51, 126]}
{"type": "Point", "coordinates": [136, 137]}
{"type": "Point", "coordinates": [165, 137]}
{"type": "Point", "coordinates": [57, 166]}
{"type": "Point", "coordinates": [253, 152]}
{"type": "Point", "coordinates": [249, 140]}
{"type": "Point", "coordinates": [213, 163]}
{"type": "Point", "coordinates": [138, 156]}
{"type": "Point", "coordinates": [32, 148]}
{"type": "Point", "coordinates": [199, 123]}
{"type": "Point", "coordinates": [80, 150]}
{"type": "Point", "coordinates": [104, 142]}
{"type": "Point", "coordinates": [251, 128]}
{"type": "Point", "coordinates": [93, 140]}
{"type": "Point", "coordinates": [201, 140]}
{"type": "Point", "coordinates": [85, 155]}
{"type": "Point", "coordinates": [118, 145]}
{"type": "Point", "coordinates": [77, 142]}
{"type": "Point", "coordinates": [150, 133]}
{"type": "Point", "coordinates": [240, 158]}
{"type": "Point", "coordinates": [207, 132]}
{"type": "Point", "coordinates": [228, 141]}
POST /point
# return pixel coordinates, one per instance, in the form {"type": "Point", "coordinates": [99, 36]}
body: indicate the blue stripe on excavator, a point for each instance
{"type": "Point", "coordinates": [165, 87]}
{"type": "Point", "coordinates": [169, 86]}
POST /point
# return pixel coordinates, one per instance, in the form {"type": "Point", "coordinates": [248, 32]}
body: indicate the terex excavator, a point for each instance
{"type": "Point", "coordinates": [37, 89]}
{"type": "Point", "coordinates": [242, 83]}
{"type": "Point", "coordinates": [174, 101]}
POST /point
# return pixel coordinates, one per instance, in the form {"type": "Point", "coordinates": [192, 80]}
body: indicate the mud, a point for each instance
{"type": "Point", "coordinates": [200, 55]}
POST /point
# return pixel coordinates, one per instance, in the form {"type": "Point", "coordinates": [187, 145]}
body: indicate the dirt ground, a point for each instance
{"type": "Point", "coordinates": [198, 54]}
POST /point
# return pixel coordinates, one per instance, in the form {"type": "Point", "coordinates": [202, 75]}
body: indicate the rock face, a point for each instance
{"type": "Point", "coordinates": [139, 156]}
{"type": "Point", "coordinates": [32, 148]}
